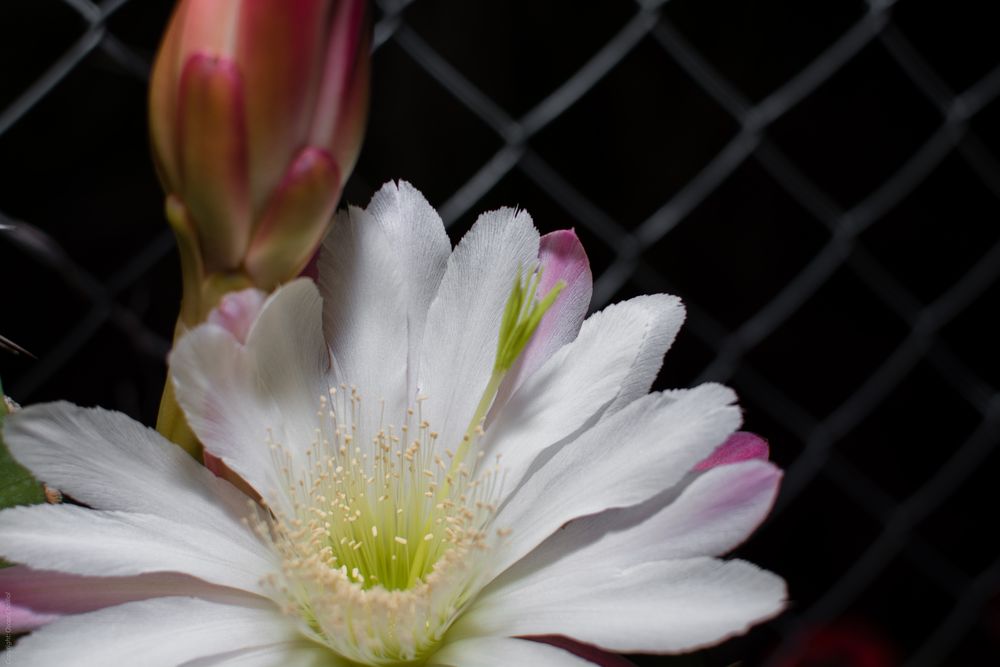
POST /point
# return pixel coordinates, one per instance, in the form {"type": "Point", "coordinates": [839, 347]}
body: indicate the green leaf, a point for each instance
{"type": "Point", "coordinates": [17, 486]}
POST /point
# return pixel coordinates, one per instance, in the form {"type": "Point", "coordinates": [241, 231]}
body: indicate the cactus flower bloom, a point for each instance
{"type": "Point", "coordinates": [449, 461]}
{"type": "Point", "coordinates": [257, 110]}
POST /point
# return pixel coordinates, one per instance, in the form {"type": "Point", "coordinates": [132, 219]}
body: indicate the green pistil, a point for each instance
{"type": "Point", "coordinates": [521, 317]}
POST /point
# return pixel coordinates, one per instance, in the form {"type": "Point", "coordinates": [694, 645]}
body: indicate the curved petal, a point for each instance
{"type": "Point", "coordinates": [622, 461]}
{"type": "Point", "coordinates": [647, 365]}
{"type": "Point", "coordinates": [278, 46]}
{"type": "Point", "coordinates": [711, 516]}
{"type": "Point", "coordinates": [296, 218]}
{"type": "Point", "coordinates": [660, 607]}
{"type": "Point", "coordinates": [209, 26]}
{"type": "Point", "coordinates": [42, 596]}
{"type": "Point", "coordinates": [240, 399]}
{"type": "Point", "coordinates": [23, 619]}
{"type": "Point", "coordinates": [577, 382]}
{"type": "Point", "coordinates": [560, 257]}
{"type": "Point", "coordinates": [163, 101]}
{"type": "Point", "coordinates": [502, 652]}
{"type": "Point", "coordinates": [285, 654]}
{"type": "Point", "coordinates": [416, 233]}
{"type": "Point", "coordinates": [110, 462]}
{"type": "Point", "coordinates": [237, 311]}
{"type": "Point", "coordinates": [162, 632]}
{"type": "Point", "coordinates": [213, 383]}
{"type": "Point", "coordinates": [379, 271]}
{"type": "Point", "coordinates": [212, 144]}
{"type": "Point", "coordinates": [463, 323]}
{"type": "Point", "coordinates": [365, 315]}
{"type": "Point", "coordinates": [586, 651]}
{"type": "Point", "coordinates": [341, 110]}
{"type": "Point", "coordinates": [740, 446]}
{"type": "Point", "coordinates": [96, 543]}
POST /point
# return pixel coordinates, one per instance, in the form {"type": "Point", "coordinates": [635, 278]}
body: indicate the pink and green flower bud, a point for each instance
{"type": "Point", "coordinates": [257, 111]}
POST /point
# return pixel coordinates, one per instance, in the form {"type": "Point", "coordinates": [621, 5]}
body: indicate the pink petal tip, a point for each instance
{"type": "Point", "coordinates": [741, 446]}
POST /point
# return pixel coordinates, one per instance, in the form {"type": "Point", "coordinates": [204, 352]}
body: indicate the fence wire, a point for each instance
{"type": "Point", "coordinates": [961, 596]}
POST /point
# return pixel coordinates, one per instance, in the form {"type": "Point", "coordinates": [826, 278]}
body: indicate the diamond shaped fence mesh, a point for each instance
{"type": "Point", "coordinates": [818, 181]}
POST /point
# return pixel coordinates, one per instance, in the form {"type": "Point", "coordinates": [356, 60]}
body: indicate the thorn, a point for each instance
{"type": "Point", "coordinates": [11, 346]}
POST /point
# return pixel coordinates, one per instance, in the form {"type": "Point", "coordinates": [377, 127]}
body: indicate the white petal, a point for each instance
{"type": "Point", "coordinates": [503, 652]}
{"type": "Point", "coordinates": [561, 257]}
{"type": "Point", "coordinates": [49, 594]}
{"type": "Point", "coordinates": [577, 382]}
{"type": "Point", "coordinates": [287, 654]}
{"type": "Point", "coordinates": [108, 461]}
{"type": "Point", "coordinates": [647, 365]}
{"type": "Point", "coordinates": [213, 380]}
{"type": "Point", "coordinates": [365, 315]}
{"type": "Point", "coordinates": [163, 632]}
{"type": "Point", "coordinates": [237, 311]}
{"type": "Point", "coordinates": [98, 543]}
{"type": "Point", "coordinates": [237, 396]}
{"type": "Point", "coordinates": [710, 516]}
{"type": "Point", "coordinates": [624, 460]}
{"type": "Point", "coordinates": [379, 271]}
{"type": "Point", "coordinates": [660, 607]}
{"type": "Point", "coordinates": [416, 234]}
{"type": "Point", "coordinates": [463, 324]}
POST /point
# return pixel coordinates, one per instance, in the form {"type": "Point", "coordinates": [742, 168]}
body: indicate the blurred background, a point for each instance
{"type": "Point", "coordinates": [819, 181]}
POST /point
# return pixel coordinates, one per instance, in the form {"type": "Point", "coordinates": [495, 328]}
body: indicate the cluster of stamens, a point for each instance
{"type": "Point", "coordinates": [382, 534]}
{"type": "Point", "coordinates": [381, 543]}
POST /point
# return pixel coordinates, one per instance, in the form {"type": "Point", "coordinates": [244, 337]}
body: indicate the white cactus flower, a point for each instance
{"type": "Point", "coordinates": [441, 467]}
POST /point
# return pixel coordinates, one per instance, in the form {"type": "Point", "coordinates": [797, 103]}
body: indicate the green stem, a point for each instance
{"type": "Point", "coordinates": [171, 423]}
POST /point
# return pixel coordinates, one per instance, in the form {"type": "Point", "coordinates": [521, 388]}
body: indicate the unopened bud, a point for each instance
{"type": "Point", "coordinates": [257, 110]}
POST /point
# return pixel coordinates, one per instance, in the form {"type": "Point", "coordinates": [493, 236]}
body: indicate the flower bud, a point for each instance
{"type": "Point", "coordinates": [257, 110]}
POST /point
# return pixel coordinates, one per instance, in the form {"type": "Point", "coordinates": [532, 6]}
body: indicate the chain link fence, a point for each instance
{"type": "Point", "coordinates": [820, 183]}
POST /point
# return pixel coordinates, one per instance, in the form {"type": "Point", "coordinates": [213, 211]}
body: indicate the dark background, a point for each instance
{"type": "Point", "coordinates": [819, 181]}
